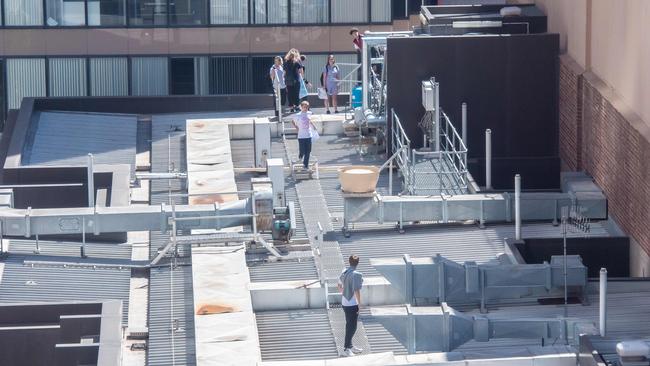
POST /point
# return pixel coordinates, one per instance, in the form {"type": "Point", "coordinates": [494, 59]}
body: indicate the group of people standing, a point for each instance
{"type": "Point", "coordinates": [289, 74]}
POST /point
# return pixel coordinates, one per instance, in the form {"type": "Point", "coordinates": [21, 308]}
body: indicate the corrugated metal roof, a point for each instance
{"type": "Point", "coordinates": [305, 269]}
{"type": "Point", "coordinates": [164, 283]}
{"type": "Point", "coordinates": [171, 306]}
{"type": "Point", "coordinates": [57, 138]}
{"type": "Point", "coordinates": [21, 283]}
{"type": "Point", "coordinates": [295, 335]}
{"type": "Point", "coordinates": [93, 251]}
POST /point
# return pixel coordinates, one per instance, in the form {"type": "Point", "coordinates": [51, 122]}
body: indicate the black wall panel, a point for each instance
{"type": "Point", "coordinates": [612, 253]}
{"type": "Point", "coordinates": [510, 84]}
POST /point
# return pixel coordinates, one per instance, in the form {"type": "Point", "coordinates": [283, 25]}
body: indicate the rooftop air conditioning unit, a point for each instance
{"type": "Point", "coordinates": [428, 97]}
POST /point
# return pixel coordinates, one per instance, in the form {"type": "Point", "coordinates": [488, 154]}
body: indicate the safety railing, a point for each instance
{"type": "Point", "coordinates": [449, 172]}
{"type": "Point", "coordinates": [401, 146]}
{"type": "Point", "coordinates": [430, 172]}
{"type": "Point", "coordinates": [349, 80]}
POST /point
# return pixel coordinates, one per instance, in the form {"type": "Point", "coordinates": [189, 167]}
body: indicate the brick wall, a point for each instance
{"type": "Point", "coordinates": [570, 113]}
{"type": "Point", "coordinates": [602, 136]}
{"type": "Point", "coordinates": [616, 152]}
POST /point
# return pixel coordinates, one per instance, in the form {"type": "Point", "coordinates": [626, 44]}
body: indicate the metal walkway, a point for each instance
{"type": "Point", "coordinates": [328, 256]}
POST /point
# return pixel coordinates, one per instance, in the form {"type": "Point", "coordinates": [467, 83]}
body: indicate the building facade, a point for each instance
{"type": "Point", "coordinates": [64, 48]}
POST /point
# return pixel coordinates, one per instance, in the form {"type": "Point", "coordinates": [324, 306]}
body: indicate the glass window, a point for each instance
{"type": "Point", "coordinates": [23, 12]}
{"type": "Point", "coordinates": [106, 12]}
{"type": "Point", "coordinates": [25, 78]}
{"type": "Point", "coordinates": [309, 11]}
{"type": "Point", "coordinates": [260, 74]}
{"type": "Point", "coordinates": [381, 11]}
{"type": "Point", "coordinates": [188, 12]}
{"type": "Point", "coordinates": [65, 13]}
{"type": "Point", "coordinates": [229, 11]}
{"type": "Point", "coordinates": [229, 75]}
{"type": "Point", "coordinates": [148, 12]}
{"type": "Point", "coordinates": [350, 11]}
{"type": "Point", "coordinates": [270, 12]}
{"type": "Point", "coordinates": [109, 76]}
{"type": "Point", "coordinates": [149, 76]}
{"type": "Point", "coordinates": [68, 77]}
{"type": "Point", "coordinates": [189, 75]}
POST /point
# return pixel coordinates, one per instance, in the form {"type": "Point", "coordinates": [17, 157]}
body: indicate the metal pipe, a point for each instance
{"type": "Point", "coordinates": [488, 159]}
{"type": "Point", "coordinates": [603, 302]}
{"type": "Point", "coordinates": [464, 123]}
{"type": "Point", "coordinates": [518, 207]}
{"type": "Point", "coordinates": [390, 178]}
{"type": "Point", "coordinates": [364, 75]}
{"type": "Point", "coordinates": [91, 181]}
{"type": "Point", "coordinates": [54, 185]}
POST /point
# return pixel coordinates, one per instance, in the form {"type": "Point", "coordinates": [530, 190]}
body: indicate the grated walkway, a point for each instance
{"type": "Point", "coordinates": [328, 253]}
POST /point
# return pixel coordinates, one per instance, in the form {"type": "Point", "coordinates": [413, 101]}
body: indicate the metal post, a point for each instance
{"type": "Point", "coordinates": [38, 246]}
{"type": "Point", "coordinates": [2, 247]}
{"type": "Point", "coordinates": [565, 223]}
{"type": "Point", "coordinates": [278, 101]}
{"type": "Point", "coordinates": [464, 121]}
{"type": "Point", "coordinates": [603, 302]}
{"type": "Point", "coordinates": [91, 181]}
{"type": "Point", "coordinates": [488, 159]}
{"type": "Point", "coordinates": [437, 115]}
{"type": "Point", "coordinates": [364, 75]}
{"type": "Point", "coordinates": [517, 207]}
{"type": "Point", "coordinates": [408, 278]}
{"type": "Point", "coordinates": [390, 178]}
{"type": "Point", "coordinates": [254, 223]}
{"type": "Point", "coordinates": [83, 238]}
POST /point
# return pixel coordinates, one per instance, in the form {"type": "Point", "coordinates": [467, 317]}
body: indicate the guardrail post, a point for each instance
{"type": "Point", "coordinates": [603, 303]}
{"type": "Point", "coordinates": [488, 159]}
{"type": "Point", "coordinates": [390, 178]}
{"type": "Point", "coordinates": [517, 207]}
{"type": "Point", "coordinates": [91, 181]}
{"type": "Point", "coordinates": [464, 123]}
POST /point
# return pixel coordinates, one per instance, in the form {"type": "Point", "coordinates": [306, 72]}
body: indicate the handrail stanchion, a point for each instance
{"type": "Point", "coordinates": [488, 159]}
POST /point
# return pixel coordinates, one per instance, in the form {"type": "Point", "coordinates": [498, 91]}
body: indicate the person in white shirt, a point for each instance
{"type": "Point", "coordinates": [350, 283]}
{"type": "Point", "coordinates": [277, 78]}
{"type": "Point", "coordinates": [302, 122]}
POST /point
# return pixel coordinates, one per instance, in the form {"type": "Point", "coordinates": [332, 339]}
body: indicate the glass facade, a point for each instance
{"type": "Point", "coordinates": [107, 13]}
{"type": "Point", "coordinates": [25, 78]}
{"type": "Point", "coordinates": [270, 12]}
{"type": "Point", "coordinates": [65, 13]}
{"type": "Point", "coordinates": [188, 12]}
{"type": "Point", "coordinates": [180, 13]}
{"type": "Point", "coordinates": [67, 77]}
{"type": "Point", "coordinates": [109, 76]}
{"type": "Point", "coordinates": [148, 12]}
{"type": "Point", "coordinates": [23, 12]}
{"type": "Point", "coordinates": [229, 11]}
{"type": "Point", "coordinates": [309, 11]}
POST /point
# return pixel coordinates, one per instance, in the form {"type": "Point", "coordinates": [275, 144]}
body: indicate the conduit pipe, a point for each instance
{"type": "Point", "coordinates": [518, 207]}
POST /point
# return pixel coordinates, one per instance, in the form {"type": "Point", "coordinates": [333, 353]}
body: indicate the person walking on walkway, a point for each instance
{"type": "Point", "coordinates": [330, 80]}
{"type": "Point", "coordinates": [349, 284]}
{"type": "Point", "coordinates": [277, 77]}
{"type": "Point", "coordinates": [302, 122]}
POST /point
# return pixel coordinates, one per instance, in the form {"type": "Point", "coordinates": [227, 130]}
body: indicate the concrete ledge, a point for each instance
{"type": "Point", "coordinates": [293, 295]}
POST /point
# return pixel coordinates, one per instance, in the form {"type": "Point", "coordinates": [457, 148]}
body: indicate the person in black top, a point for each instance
{"type": "Point", "coordinates": [292, 72]}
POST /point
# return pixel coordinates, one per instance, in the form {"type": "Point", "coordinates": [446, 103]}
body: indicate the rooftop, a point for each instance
{"type": "Point", "coordinates": [277, 308]}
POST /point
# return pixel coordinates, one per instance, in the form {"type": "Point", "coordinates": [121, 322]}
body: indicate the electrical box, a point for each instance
{"type": "Point", "coordinates": [262, 128]}
{"type": "Point", "coordinates": [275, 172]}
{"type": "Point", "coordinates": [428, 95]}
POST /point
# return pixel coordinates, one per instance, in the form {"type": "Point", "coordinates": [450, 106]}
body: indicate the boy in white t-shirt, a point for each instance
{"type": "Point", "coordinates": [302, 122]}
